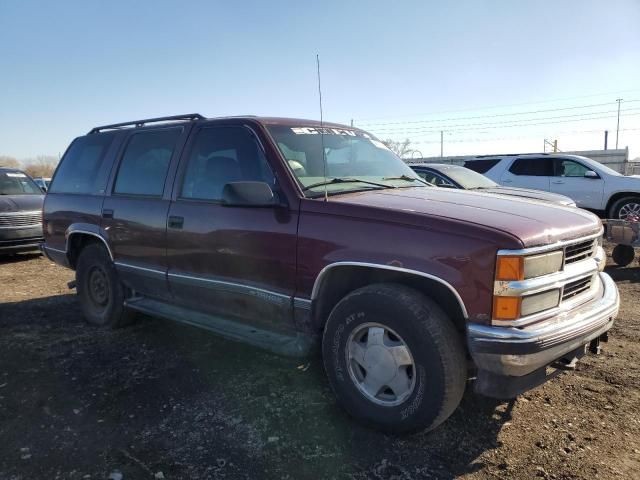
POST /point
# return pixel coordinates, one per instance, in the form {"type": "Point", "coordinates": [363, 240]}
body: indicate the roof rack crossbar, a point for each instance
{"type": "Point", "coordinates": [141, 123]}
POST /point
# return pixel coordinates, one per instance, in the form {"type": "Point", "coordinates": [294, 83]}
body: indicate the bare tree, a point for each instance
{"type": "Point", "coordinates": [7, 161]}
{"type": "Point", "coordinates": [402, 149]}
{"type": "Point", "coordinates": [41, 166]}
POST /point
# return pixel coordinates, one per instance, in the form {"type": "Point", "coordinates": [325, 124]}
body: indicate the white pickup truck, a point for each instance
{"type": "Point", "coordinates": [590, 184]}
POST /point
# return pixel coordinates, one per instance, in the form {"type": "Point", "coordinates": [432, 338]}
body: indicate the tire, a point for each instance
{"type": "Point", "coordinates": [99, 289]}
{"type": "Point", "coordinates": [623, 255]}
{"type": "Point", "coordinates": [425, 393]}
{"type": "Point", "coordinates": [627, 208]}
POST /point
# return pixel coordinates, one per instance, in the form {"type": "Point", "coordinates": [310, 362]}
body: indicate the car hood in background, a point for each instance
{"type": "Point", "coordinates": [20, 203]}
{"type": "Point", "coordinates": [529, 193]}
{"type": "Point", "coordinates": [533, 222]}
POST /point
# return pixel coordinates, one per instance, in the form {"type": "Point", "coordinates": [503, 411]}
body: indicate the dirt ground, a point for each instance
{"type": "Point", "coordinates": [163, 400]}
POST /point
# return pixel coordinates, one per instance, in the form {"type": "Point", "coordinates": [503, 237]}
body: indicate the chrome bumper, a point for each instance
{"type": "Point", "coordinates": [512, 351]}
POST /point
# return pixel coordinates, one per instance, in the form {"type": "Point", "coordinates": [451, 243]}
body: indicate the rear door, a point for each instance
{"type": "Point", "coordinates": [235, 262]}
{"type": "Point", "coordinates": [135, 210]}
{"type": "Point", "coordinates": [529, 172]}
{"type": "Point", "coordinates": [569, 180]}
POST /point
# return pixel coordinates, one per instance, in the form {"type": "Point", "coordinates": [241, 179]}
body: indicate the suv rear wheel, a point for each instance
{"type": "Point", "coordinates": [100, 291]}
{"type": "Point", "coordinates": [394, 359]}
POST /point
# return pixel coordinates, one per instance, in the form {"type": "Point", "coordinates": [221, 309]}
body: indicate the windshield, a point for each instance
{"type": "Point", "coordinates": [17, 183]}
{"type": "Point", "coordinates": [355, 160]}
{"type": "Point", "coordinates": [467, 178]}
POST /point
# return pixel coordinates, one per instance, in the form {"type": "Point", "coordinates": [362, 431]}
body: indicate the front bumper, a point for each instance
{"type": "Point", "coordinates": [516, 352]}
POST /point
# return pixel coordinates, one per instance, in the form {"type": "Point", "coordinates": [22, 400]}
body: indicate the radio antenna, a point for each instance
{"type": "Point", "coordinates": [324, 157]}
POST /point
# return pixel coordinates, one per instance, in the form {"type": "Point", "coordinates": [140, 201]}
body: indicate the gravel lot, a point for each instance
{"type": "Point", "coordinates": [163, 400]}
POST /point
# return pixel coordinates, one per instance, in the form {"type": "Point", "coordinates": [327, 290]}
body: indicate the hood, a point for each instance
{"type": "Point", "coordinates": [20, 203]}
{"type": "Point", "coordinates": [533, 222]}
{"type": "Point", "coordinates": [530, 193]}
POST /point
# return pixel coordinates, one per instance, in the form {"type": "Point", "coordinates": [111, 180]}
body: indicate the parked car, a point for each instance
{"type": "Point", "coordinates": [290, 233]}
{"type": "Point", "coordinates": [43, 182]}
{"type": "Point", "coordinates": [455, 176]}
{"type": "Point", "coordinates": [591, 184]}
{"type": "Point", "coordinates": [20, 212]}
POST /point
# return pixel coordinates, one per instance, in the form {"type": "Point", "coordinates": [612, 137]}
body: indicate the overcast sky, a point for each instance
{"type": "Point", "coordinates": [477, 70]}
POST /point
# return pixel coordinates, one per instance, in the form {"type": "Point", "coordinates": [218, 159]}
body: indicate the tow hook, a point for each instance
{"type": "Point", "coordinates": [71, 285]}
{"type": "Point", "coordinates": [594, 346]}
{"type": "Point", "coordinates": [566, 363]}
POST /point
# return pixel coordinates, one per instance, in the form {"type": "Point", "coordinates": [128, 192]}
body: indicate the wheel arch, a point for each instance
{"type": "Point", "coordinates": [338, 279]}
{"type": "Point", "coordinates": [77, 239]}
{"type": "Point", "coordinates": [618, 196]}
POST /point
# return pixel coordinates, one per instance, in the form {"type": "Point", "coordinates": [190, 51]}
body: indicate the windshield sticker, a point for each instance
{"type": "Point", "coordinates": [18, 175]}
{"type": "Point", "coordinates": [323, 130]}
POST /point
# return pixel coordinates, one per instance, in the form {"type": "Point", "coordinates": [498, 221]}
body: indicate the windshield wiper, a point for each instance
{"type": "Point", "coordinates": [407, 178]}
{"type": "Point", "coordinates": [345, 180]}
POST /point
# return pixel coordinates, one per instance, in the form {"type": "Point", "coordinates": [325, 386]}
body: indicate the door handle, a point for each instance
{"type": "Point", "coordinates": [107, 213]}
{"type": "Point", "coordinates": [558, 182]}
{"type": "Point", "coordinates": [176, 222]}
{"type": "Point", "coordinates": [507, 181]}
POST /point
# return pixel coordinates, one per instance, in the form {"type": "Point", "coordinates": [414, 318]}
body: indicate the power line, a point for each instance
{"type": "Point", "coordinates": [508, 124]}
{"type": "Point", "coordinates": [368, 125]}
{"type": "Point", "coordinates": [492, 107]}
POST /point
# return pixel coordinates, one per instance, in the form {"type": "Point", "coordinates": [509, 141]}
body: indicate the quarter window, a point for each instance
{"type": "Point", "coordinates": [144, 165]}
{"type": "Point", "coordinates": [534, 167]}
{"type": "Point", "coordinates": [82, 169]}
{"type": "Point", "coordinates": [481, 166]}
{"type": "Point", "coordinates": [221, 155]}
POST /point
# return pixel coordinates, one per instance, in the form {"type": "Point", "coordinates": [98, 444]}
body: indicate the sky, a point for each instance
{"type": "Point", "coordinates": [496, 76]}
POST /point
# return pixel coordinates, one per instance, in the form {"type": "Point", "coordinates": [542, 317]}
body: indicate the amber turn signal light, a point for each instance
{"type": "Point", "coordinates": [509, 268]}
{"type": "Point", "coordinates": [506, 308]}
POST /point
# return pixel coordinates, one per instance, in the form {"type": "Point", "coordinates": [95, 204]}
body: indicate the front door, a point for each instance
{"type": "Point", "coordinates": [134, 212]}
{"type": "Point", "coordinates": [569, 180]}
{"type": "Point", "coordinates": [234, 262]}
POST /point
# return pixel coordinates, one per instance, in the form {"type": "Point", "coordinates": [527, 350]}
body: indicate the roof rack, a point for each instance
{"type": "Point", "coordinates": [141, 123]}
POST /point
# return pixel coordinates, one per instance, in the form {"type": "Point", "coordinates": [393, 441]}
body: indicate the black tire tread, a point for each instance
{"type": "Point", "coordinates": [118, 316]}
{"type": "Point", "coordinates": [432, 319]}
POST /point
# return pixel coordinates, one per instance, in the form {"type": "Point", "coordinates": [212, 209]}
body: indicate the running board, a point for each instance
{"type": "Point", "coordinates": [295, 345]}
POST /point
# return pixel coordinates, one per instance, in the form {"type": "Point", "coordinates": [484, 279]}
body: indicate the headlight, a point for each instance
{"type": "Point", "coordinates": [520, 268]}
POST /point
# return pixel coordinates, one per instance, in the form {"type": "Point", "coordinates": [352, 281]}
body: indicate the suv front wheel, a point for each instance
{"type": "Point", "coordinates": [100, 291]}
{"type": "Point", "coordinates": [394, 359]}
{"type": "Point", "coordinates": [627, 208]}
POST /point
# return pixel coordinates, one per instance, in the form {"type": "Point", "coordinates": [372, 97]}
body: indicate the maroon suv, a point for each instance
{"type": "Point", "coordinates": [288, 233]}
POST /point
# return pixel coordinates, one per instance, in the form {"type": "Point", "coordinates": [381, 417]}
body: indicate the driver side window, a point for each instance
{"type": "Point", "coordinates": [569, 168]}
{"type": "Point", "coordinates": [221, 155]}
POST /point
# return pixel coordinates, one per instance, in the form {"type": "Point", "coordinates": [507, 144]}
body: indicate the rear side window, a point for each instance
{"type": "Point", "coordinates": [145, 162]}
{"type": "Point", "coordinates": [82, 169]}
{"type": "Point", "coordinates": [481, 166]}
{"type": "Point", "coordinates": [534, 167]}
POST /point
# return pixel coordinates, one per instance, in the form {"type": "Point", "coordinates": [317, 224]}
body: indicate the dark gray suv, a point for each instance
{"type": "Point", "coordinates": [20, 212]}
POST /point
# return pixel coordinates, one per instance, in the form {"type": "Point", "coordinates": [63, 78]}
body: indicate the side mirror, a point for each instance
{"type": "Point", "coordinates": [591, 174]}
{"type": "Point", "coordinates": [248, 194]}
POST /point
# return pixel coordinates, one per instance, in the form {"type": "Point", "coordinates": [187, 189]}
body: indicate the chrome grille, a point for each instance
{"type": "Point", "coordinates": [20, 219]}
{"type": "Point", "coordinates": [579, 251]}
{"type": "Point", "coordinates": [575, 288]}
